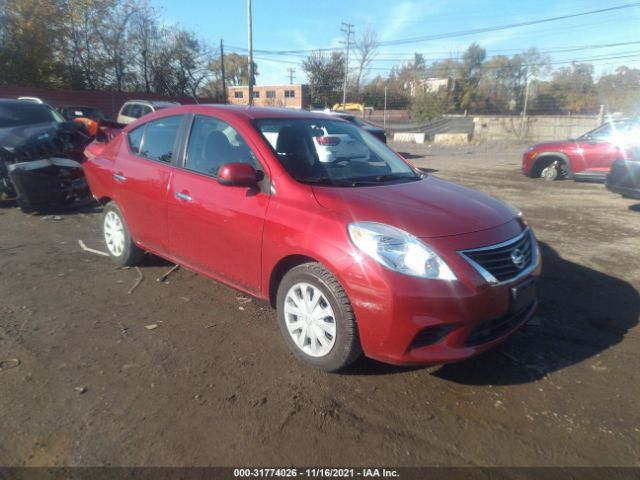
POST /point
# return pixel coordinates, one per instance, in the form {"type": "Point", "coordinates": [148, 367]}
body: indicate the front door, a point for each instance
{"type": "Point", "coordinates": [214, 228]}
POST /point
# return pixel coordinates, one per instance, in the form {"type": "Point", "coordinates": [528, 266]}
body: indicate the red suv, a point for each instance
{"type": "Point", "coordinates": [588, 157]}
{"type": "Point", "coordinates": [364, 254]}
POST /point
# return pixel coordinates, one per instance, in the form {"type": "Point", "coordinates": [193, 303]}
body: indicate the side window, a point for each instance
{"type": "Point", "coordinates": [135, 138]}
{"type": "Point", "coordinates": [126, 109]}
{"type": "Point", "coordinates": [601, 133]}
{"type": "Point", "coordinates": [160, 137]}
{"type": "Point", "coordinates": [134, 111]}
{"type": "Point", "coordinates": [144, 109]}
{"type": "Point", "coordinates": [213, 143]}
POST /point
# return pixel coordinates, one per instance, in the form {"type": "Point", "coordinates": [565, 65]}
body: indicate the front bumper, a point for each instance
{"type": "Point", "coordinates": [411, 321]}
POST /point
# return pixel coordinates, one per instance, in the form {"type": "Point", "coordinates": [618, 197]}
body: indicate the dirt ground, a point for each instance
{"type": "Point", "coordinates": [214, 384]}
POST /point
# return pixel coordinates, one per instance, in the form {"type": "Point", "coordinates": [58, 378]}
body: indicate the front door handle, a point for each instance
{"type": "Point", "coordinates": [183, 196]}
{"type": "Point", "coordinates": [118, 177]}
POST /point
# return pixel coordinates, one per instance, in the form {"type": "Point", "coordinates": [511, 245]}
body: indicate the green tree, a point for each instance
{"type": "Point", "coordinates": [574, 89]}
{"type": "Point", "coordinates": [620, 91]}
{"type": "Point", "coordinates": [468, 77]}
{"type": "Point", "coordinates": [29, 43]}
{"type": "Point", "coordinates": [427, 106]}
{"type": "Point", "coordinates": [325, 74]}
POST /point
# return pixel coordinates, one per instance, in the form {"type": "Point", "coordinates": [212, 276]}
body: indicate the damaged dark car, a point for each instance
{"type": "Point", "coordinates": [40, 158]}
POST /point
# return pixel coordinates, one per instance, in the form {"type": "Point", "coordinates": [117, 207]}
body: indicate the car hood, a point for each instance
{"type": "Point", "coordinates": [427, 208]}
{"type": "Point", "coordinates": [554, 145]}
{"type": "Point", "coordinates": [13, 137]}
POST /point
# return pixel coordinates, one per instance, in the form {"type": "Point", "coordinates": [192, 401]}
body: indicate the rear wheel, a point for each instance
{"type": "Point", "coordinates": [316, 318]}
{"type": "Point", "coordinates": [118, 239]}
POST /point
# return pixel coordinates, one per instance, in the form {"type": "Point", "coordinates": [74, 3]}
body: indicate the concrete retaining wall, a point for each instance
{"type": "Point", "coordinates": [451, 138]}
{"type": "Point", "coordinates": [409, 137]}
{"type": "Point", "coordinates": [534, 128]}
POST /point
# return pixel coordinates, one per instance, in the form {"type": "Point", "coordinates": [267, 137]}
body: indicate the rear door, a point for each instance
{"type": "Point", "coordinates": [141, 176]}
{"type": "Point", "coordinates": [213, 228]}
{"type": "Point", "coordinates": [598, 150]}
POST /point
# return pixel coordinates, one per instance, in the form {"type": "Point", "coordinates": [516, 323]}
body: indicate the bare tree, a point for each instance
{"type": "Point", "coordinates": [366, 47]}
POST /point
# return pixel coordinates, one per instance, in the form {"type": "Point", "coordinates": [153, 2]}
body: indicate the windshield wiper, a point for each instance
{"type": "Point", "coordinates": [382, 179]}
{"type": "Point", "coordinates": [361, 181]}
{"type": "Point", "coordinates": [326, 181]}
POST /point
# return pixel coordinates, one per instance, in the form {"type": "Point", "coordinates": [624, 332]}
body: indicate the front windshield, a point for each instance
{"type": "Point", "coordinates": [333, 152]}
{"type": "Point", "coordinates": [616, 131]}
{"type": "Point", "coordinates": [14, 115]}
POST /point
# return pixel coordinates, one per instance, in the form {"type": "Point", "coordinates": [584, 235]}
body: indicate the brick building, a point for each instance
{"type": "Point", "coordinates": [288, 96]}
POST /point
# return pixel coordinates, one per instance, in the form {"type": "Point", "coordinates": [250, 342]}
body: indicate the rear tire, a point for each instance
{"type": "Point", "coordinates": [316, 318]}
{"type": "Point", "coordinates": [122, 250]}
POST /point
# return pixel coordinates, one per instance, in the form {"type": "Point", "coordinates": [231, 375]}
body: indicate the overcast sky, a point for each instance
{"type": "Point", "coordinates": [305, 25]}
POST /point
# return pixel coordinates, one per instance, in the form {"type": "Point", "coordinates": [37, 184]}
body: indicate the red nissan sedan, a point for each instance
{"type": "Point", "coordinates": [357, 250]}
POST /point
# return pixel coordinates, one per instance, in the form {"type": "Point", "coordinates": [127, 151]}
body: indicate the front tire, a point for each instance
{"type": "Point", "coordinates": [316, 318]}
{"type": "Point", "coordinates": [120, 245]}
{"type": "Point", "coordinates": [550, 173]}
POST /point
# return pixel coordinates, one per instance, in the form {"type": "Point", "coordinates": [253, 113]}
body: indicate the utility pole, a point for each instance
{"type": "Point", "coordinates": [524, 109]}
{"type": "Point", "coordinates": [224, 80]}
{"type": "Point", "coordinates": [250, 69]}
{"type": "Point", "coordinates": [291, 72]}
{"type": "Point", "coordinates": [347, 29]}
{"type": "Point", "coordinates": [384, 112]}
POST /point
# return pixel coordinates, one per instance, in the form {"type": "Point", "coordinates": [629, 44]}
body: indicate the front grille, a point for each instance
{"type": "Point", "coordinates": [497, 263]}
{"type": "Point", "coordinates": [490, 330]}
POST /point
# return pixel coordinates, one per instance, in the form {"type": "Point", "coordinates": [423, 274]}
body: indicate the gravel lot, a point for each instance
{"type": "Point", "coordinates": [214, 384]}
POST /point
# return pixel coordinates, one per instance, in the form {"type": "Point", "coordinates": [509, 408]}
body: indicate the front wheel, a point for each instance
{"type": "Point", "coordinates": [316, 318]}
{"type": "Point", "coordinates": [550, 173]}
{"type": "Point", "coordinates": [118, 239]}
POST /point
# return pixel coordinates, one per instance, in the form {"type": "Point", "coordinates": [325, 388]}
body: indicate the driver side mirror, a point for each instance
{"type": "Point", "coordinates": [238, 175]}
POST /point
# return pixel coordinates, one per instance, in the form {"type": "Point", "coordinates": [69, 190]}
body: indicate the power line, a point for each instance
{"type": "Point", "coordinates": [590, 59]}
{"type": "Point", "coordinates": [461, 33]}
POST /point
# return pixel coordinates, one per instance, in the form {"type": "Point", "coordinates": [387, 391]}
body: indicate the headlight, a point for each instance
{"type": "Point", "coordinates": [398, 251]}
{"type": "Point", "coordinates": [530, 148]}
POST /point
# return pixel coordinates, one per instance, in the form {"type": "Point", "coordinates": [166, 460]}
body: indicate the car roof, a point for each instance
{"type": "Point", "coordinates": [253, 113]}
{"type": "Point", "coordinates": [22, 103]}
{"type": "Point", "coordinates": [78, 106]}
{"type": "Point", "coordinates": [153, 103]}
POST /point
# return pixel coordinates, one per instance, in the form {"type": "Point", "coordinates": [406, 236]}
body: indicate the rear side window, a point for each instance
{"type": "Point", "coordinates": [135, 139]}
{"type": "Point", "coordinates": [126, 109]}
{"type": "Point", "coordinates": [160, 137]}
{"type": "Point", "coordinates": [144, 110]}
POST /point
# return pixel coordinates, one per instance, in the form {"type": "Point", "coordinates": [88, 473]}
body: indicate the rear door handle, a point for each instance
{"type": "Point", "coordinates": [183, 196]}
{"type": "Point", "coordinates": [118, 177]}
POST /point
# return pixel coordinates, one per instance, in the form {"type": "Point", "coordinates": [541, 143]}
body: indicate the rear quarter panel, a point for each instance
{"type": "Point", "coordinates": [98, 168]}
